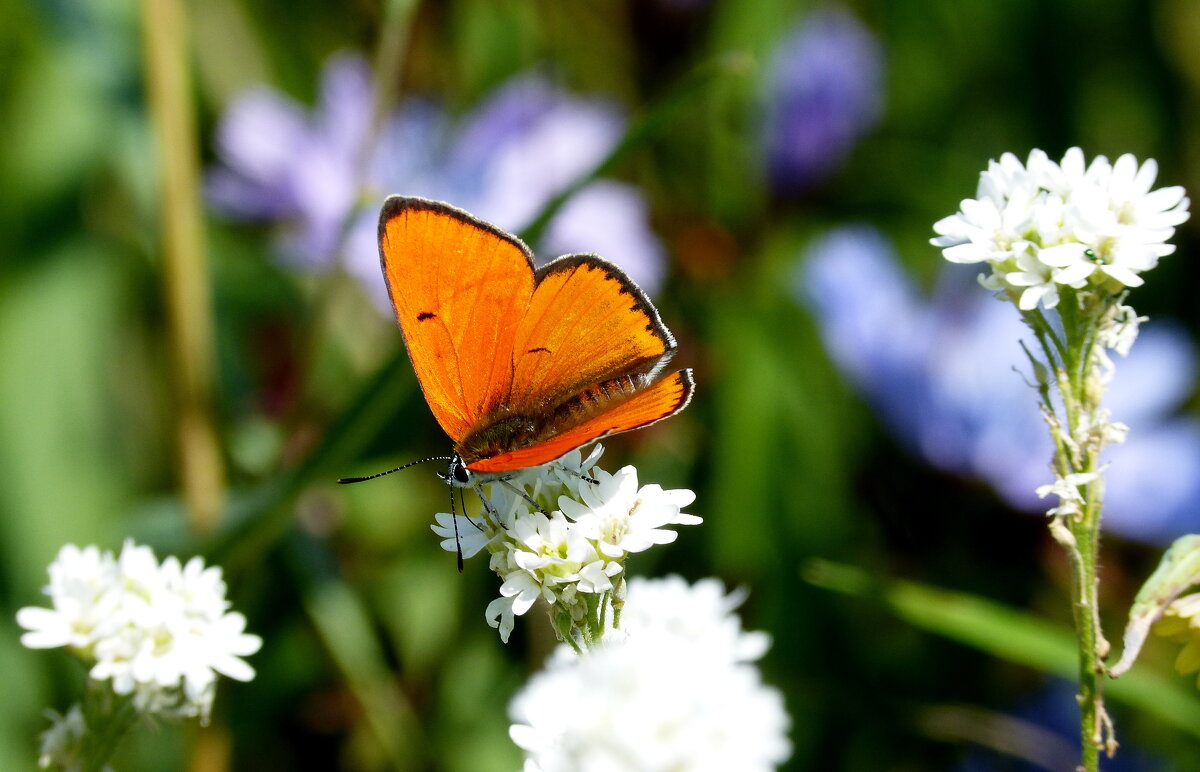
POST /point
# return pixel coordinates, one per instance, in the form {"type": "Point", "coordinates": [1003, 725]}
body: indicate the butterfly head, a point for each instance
{"type": "Point", "coordinates": [458, 475]}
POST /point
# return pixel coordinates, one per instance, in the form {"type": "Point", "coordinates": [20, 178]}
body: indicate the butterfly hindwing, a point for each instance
{"type": "Point", "coordinates": [660, 400]}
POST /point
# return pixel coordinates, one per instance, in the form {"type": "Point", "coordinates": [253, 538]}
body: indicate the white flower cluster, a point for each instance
{"type": "Point", "coordinates": [1044, 225]}
{"type": "Point", "coordinates": [674, 689]}
{"type": "Point", "coordinates": [571, 548]}
{"type": "Point", "coordinates": [160, 632]}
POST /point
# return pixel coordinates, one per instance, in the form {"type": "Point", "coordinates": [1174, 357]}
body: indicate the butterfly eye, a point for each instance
{"type": "Point", "coordinates": [459, 474]}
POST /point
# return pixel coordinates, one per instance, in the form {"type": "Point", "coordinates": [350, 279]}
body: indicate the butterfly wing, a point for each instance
{"type": "Point", "coordinates": [587, 323]}
{"type": "Point", "coordinates": [660, 400]}
{"type": "Point", "coordinates": [586, 362]}
{"type": "Point", "coordinates": [457, 284]}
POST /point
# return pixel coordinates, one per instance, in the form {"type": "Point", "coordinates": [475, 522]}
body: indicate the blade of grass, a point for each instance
{"type": "Point", "coordinates": [1009, 634]}
{"type": "Point", "coordinates": [185, 274]}
{"type": "Point", "coordinates": [346, 628]}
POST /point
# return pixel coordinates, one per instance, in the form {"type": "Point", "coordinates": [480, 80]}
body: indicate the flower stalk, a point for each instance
{"type": "Point", "coordinates": [1075, 522]}
{"type": "Point", "coordinates": [185, 273]}
{"type": "Point", "coordinates": [108, 717]}
{"type": "Point", "coordinates": [1064, 242]}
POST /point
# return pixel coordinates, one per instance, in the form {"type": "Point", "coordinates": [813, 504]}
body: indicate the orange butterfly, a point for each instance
{"type": "Point", "coordinates": [518, 365]}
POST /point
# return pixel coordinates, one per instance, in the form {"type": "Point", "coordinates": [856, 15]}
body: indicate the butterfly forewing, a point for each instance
{"type": "Point", "coordinates": [587, 323]}
{"type": "Point", "coordinates": [457, 285]}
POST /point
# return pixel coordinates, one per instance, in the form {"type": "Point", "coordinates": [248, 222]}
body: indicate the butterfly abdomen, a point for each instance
{"type": "Point", "coordinates": [512, 432]}
{"type": "Point", "coordinates": [594, 399]}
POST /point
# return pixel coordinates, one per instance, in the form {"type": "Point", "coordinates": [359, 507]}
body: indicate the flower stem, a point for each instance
{"type": "Point", "coordinates": [1077, 448]}
{"type": "Point", "coordinates": [185, 275]}
{"type": "Point", "coordinates": [1087, 629]}
{"type": "Point", "coordinates": [109, 717]}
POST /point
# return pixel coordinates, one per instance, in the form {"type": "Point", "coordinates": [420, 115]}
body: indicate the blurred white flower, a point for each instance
{"type": "Point", "coordinates": [1181, 623]}
{"type": "Point", "coordinates": [83, 594]}
{"type": "Point", "coordinates": [160, 632]}
{"type": "Point", "coordinates": [61, 744]}
{"type": "Point", "coordinates": [701, 612]}
{"type": "Point", "coordinates": [673, 689]}
{"type": "Point", "coordinates": [1043, 225]}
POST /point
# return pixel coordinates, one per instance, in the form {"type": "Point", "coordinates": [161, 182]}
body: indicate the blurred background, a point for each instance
{"type": "Point", "coordinates": [863, 454]}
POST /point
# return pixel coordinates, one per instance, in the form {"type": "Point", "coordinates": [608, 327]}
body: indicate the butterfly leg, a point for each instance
{"type": "Point", "coordinates": [522, 494]}
{"type": "Point", "coordinates": [492, 515]}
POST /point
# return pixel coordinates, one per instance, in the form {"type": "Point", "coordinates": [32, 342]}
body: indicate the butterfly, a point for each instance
{"type": "Point", "coordinates": [520, 365]}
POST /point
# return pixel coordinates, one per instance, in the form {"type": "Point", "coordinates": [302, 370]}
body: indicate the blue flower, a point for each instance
{"type": "Point", "coordinates": [940, 373]}
{"type": "Point", "coordinates": [825, 91]}
{"type": "Point", "coordinates": [321, 174]}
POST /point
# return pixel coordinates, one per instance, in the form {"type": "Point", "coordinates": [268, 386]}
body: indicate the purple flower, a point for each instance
{"type": "Point", "coordinates": [322, 173]}
{"type": "Point", "coordinates": [950, 380]}
{"type": "Point", "coordinates": [281, 163]}
{"type": "Point", "coordinates": [825, 92]}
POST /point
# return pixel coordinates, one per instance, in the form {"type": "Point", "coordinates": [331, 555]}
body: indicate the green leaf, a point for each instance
{"type": "Point", "coordinates": [1178, 571]}
{"type": "Point", "coordinates": [1009, 634]}
{"type": "Point", "coordinates": [346, 628]}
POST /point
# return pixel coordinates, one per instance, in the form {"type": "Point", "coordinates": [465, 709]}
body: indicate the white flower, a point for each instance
{"type": "Point", "coordinates": [621, 517]}
{"type": "Point", "coordinates": [83, 594]}
{"type": "Point", "coordinates": [165, 632]}
{"type": "Point", "coordinates": [1035, 277]}
{"type": "Point", "coordinates": [61, 744]}
{"type": "Point", "coordinates": [656, 698]}
{"type": "Point", "coordinates": [1119, 329]}
{"type": "Point", "coordinates": [574, 543]}
{"type": "Point", "coordinates": [462, 532]}
{"type": "Point", "coordinates": [1041, 225]}
{"type": "Point", "coordinates": [700, 612]}
{"type": "Point", "coordinates": [500, 615]}
{"type": "Point", "coordinates": [1067, 490]}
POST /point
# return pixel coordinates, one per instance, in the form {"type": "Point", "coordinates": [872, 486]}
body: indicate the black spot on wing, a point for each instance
{"type": "Point", "coordinates": [539, 348]}
{"type": "Point", "coordinates": [426, 315]}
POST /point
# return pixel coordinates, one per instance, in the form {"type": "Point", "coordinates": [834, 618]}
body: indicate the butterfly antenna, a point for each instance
{"type": "Point", "coordinates": [578, 474]}
{"type": "Point", "coordinates": [462, 502]}
{"type": "Point", "coordinates": [348, 480]}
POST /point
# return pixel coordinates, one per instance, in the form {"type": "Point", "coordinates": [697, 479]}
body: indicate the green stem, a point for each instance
{"type": "Point", "coordinates": [1087, 630]}
{"type": "Point", "coordinates": [109, 717]}
{"type": "Point", "coordinates": [185, 274]}
{"type": "Point", "coordinates": [1079, 534]}
{"type": "Point", "coordinates": [1047, 336]}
